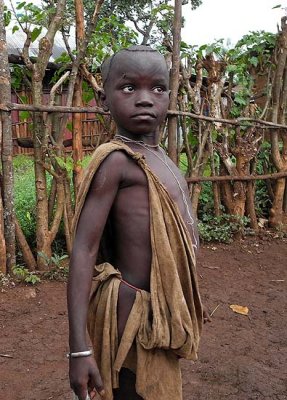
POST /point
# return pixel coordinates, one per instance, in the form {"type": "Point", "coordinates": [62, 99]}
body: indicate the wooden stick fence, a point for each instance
{"type": "Point", "coordinates": [276, 175]}
{"type": "Point", "coordinates": [63, 109]}
{"type": "Point", "coordinates": [8, 107]}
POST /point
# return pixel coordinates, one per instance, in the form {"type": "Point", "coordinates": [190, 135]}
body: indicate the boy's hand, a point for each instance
{"type": "Point", "coordinates": [85, 377]}
{"type": "Point", "coordinates": [206, 316]}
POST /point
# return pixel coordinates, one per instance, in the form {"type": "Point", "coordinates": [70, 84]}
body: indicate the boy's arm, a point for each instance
{"type": "Point", "coordinates": [84, 374]}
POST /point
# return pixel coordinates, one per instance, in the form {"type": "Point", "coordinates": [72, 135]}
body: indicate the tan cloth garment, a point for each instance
{"type": "Point", "coordinates": [166, 323]}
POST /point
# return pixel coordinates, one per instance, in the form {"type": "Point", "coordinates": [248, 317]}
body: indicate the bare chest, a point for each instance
{"type": "Point", "coordinates": [166, 172]}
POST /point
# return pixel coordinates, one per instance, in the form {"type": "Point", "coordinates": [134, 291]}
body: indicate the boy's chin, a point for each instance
{"type": "Point", "coordinates": [145, 129]}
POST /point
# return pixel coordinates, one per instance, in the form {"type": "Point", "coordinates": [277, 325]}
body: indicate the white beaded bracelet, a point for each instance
{"type": "Point", "coordinates": [85, 353]}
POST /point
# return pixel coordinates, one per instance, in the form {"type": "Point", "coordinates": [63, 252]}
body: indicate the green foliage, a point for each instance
{"type": "Point", "coordinates": [256, 47]}
{"type": "Point", "coordinates": [7, 16]}
{"type": "Point", "coordinates": [57, 273]}
{"type": "Point", "coordinates": [18, 74]}
{"type": "Point", "coordinates": [25, 199]}
{"type": "Point", "coordinates": [110, 36]}
{"type": "Point", "coordinates": [66, 163]}
{"type": "Point", "coordinates": [262, 199]}
{"type": "Point", "coordinates": [57, 269]}
{"type": "Point", "coordinates": [55, 260]}
{"type": "Point", "coordinates": [183, 163]}
{"type": "Point", "coordinates": [216, 48]}
{"type": "Point", "coordinates": [88, 93]}
{"type": "Point", "coordinates": [24, 275]}
{"type": "Point", "coordinates": [29, 13]}
{"type": "Point", "coordinates": [162, 18]}
{"type": "Point", "coordinates": [206, 204]}
{"type": "Point", "coordinates": [222, 228]}
{"type": "Point", "coordinates": [25, 195]}
{"type": "Point", "coordinates": [188, 52]}
{"type": "Point", "coordinates": [252, 52]}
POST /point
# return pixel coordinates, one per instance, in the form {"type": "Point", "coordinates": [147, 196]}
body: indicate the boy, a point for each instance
{"type": "Point", "coordinates": [145, 312]}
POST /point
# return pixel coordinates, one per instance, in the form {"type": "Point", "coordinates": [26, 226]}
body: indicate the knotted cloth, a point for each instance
{"type": "Point", "coordinates": [166, 323]}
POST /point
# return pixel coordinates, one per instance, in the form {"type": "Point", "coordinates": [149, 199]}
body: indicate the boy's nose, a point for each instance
{"type": "Point", "coordinates": [144, 100]}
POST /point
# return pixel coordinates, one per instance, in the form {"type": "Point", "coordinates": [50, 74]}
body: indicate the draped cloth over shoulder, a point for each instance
{"type": "Point", "coordinates": [166, 323]}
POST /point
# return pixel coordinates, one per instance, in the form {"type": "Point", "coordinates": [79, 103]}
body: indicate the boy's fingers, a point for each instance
{"type": "Point", "coordinates": [93, 394]}
{"type": "Point", "coordinates": [83, 395]}
{"type": "Point", "coordinates": [97, 383]}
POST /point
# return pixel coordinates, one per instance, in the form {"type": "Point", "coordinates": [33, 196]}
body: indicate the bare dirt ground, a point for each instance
{"type": "Point", "coordinates": [241, 357]}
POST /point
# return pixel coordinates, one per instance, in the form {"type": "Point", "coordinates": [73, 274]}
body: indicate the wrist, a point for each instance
{"type": "Point", "coordinates": [78, 354]}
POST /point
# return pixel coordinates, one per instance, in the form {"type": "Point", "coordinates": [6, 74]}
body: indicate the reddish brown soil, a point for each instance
{"type": "Point", "coordinates": [241, 357]}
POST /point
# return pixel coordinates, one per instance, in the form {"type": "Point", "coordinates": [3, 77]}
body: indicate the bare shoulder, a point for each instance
{"type": "Point", "coordinates": [112, 170]}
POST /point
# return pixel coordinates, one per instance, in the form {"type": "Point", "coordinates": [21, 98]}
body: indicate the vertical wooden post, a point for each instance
{"type": "Point", "coordinates": [174, 81]}
{"type": "Point", "coordinates": [3, 259]}
{"type": "Point", "coordinates": [77, 100]}
{"type": "Point", "coordinates": [7, 149]}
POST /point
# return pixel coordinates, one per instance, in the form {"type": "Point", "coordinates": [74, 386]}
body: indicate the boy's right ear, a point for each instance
{"type": "Point", "coordinates": [103, 100]}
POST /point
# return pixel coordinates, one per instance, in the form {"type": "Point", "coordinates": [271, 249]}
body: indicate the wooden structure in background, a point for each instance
{"type": "Point", "coordinates": [92, 135]}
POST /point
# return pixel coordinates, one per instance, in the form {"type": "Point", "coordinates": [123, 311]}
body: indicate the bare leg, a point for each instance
{"type": "Point", "coordinates": [126, 300]}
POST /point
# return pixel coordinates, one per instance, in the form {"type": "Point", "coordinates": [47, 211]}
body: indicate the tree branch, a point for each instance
{"type": "Point", "coordinates": [56, 86]}
{"type": "Point", "coordinates": [277, 175]}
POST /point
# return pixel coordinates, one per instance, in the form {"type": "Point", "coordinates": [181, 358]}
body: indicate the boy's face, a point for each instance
{"type": "Point", "coordinates": [137, 92]}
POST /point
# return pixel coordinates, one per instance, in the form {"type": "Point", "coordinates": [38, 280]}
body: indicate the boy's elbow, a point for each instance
{"type": "Point", "coordinates": [85, 254]}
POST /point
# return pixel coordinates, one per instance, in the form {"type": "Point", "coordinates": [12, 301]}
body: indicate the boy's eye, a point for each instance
{"type": "Point", "coordinates": [128, 89]}
{"type": "Point", "coordinates": [158, 89]}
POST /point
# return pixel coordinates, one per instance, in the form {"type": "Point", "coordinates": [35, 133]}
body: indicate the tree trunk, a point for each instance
{"type": "Point", "coordinates": [195, 190]}
{"type": "Point", "coordinates": [250, 206]}
{"type": "Point", "coordinates": [174, 80]}
{"type": "Point", "coordinates": [215, 185]}
{"type": "Point", "coordinates": [44, 236]}
{"type": "Point", "coordinates": [52, 199]}
{"type": "Point", "coordinates": [77, 100]}
{"type": "Point", "coordinates": [2, 238]}
{"type": "Point", "coordinates": [7, 149]}
{"type": "Point", "coordinates": [278, 111]}
{"type": "Point", "coordinates": [27, 254]}
{"type": "Point", "coordinates": [42, 223]}
{"type": "Point", "coordinates": [77, 135]}
{"type": "Point", "coordinates": [276, 211]}
{"type": "Point", "coordinates": [3, 259]}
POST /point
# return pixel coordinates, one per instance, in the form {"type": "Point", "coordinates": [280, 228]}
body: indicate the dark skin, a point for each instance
{"type": "Point", "coordinates": [137, 95]}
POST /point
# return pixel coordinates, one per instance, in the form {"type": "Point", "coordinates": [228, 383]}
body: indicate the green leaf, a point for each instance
{"type": "Point", "coordinates": [192, 139]}
{"type": "Point", "coordinates": [21, 5]}
{"type": "Point", "coordinates": [254, 61]}
{"type": "Point", "coordinates": [69, 126]}
{"type": "Point", "coordinates": [88, 94]}
{"type": "Point", "coordinates": [207, 170]}
{"type": "Point", "coordinates": [278, 6]}
{"type": "Point", "coordinates": [240, 100]}
{"type": "Point", "coordinates": [35, 33]}
{"type": "Point", "coordinates": [101, 119]}
{"type": "Point", "coordinates": [231, 68]}
{"type": "Point", "coordinates": [15, 28]}
{"type": "Point", "coordinates": [7, 17]}
{"type": "Point", "coordinates": [24, 115]}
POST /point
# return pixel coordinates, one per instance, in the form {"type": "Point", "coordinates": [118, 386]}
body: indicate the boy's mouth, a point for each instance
{"type": "Point", "coordinates": [144, 115]}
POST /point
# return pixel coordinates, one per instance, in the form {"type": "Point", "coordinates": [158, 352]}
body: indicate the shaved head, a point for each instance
{"type": "Point", "coordinates": [108, 63]}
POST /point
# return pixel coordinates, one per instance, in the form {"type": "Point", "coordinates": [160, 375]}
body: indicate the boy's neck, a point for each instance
{"type": "Point", "coordinates": [150, 139]}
